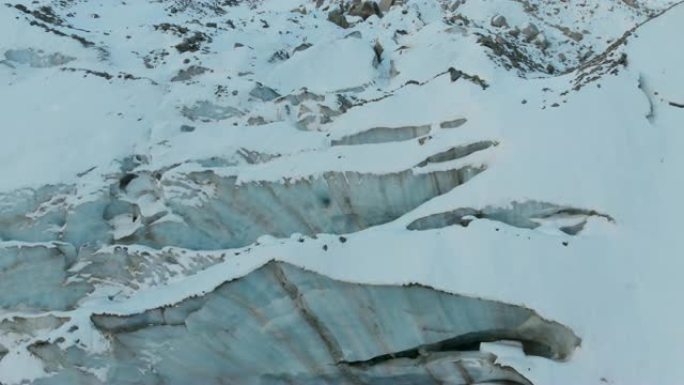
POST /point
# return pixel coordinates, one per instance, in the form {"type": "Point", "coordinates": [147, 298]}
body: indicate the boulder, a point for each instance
{"type": "Point", "coordinates": [499, 21]}
{"type": "Point", "coordinates": [364, 9]}
{"type": "Point", "coordinates": [530, 32]}
{"type": "Point", "coordinates": [337, 17]}
{"type": "Point", "coordinates": [385, 5]}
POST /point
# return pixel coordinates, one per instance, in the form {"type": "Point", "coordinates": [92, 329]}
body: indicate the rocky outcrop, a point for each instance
{"type": "Point", "coordinates": [364, 9]}
{"type": "Point", "coordinates": [336, 16]}
{"type": "Point", "coordinates": [499, 21]}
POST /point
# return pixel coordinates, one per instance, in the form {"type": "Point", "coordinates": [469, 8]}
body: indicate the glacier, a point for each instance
{"type": "Point", "coordinates": [281, 324]}
{"type": "Point", "coordinates": [340, 192]}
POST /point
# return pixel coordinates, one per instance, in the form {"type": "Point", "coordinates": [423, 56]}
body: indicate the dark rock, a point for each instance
{"type": "Point", "coordinates": [256, 121]}
{"type": "Point", "coordinates": [354, 35]}
{"type": "Point", "coordinates": [173, 28]}
{"type": "Point", "coordinates": [188, 73]}
{"type": "Point", "coordinates": [385, 5]}
{"type": "Point", "coordinates": [280, 55]}
{"type": "Point", "coordinates": [530, 32]}
{"type": "Point", "coordinates": [126, 180]}
{"type": "Point", "coordinates": [192, 43]}
{"type": "Point", "coordinates": [302, 47]}
{"type": "Point", "coordinates": [378, 50]}
{"type": "Point", "coordinates": [364, 9]}
{"type": "Point", "coordinates": [337, 17]}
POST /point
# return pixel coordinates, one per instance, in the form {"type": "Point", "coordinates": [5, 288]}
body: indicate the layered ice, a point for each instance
{"type": "Point", "coordinates": [155, 156]}
{"type": "Point", "coordinates": [283, 324]}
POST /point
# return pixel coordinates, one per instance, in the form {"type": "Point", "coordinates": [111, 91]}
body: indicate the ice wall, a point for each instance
{"type": "Point", "coordinates": [282, 324]}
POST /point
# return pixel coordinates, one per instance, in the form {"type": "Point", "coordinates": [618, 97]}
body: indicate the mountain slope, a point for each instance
{"type": "Point", "coordinates": [525, 152]}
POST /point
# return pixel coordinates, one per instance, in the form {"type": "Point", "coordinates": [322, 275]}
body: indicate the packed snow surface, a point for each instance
{"type": "Point", "coordinates": [524, 155]}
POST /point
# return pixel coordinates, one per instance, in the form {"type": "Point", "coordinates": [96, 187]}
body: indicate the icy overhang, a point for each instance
{"type": "Point", "coordinates": [282, 324]}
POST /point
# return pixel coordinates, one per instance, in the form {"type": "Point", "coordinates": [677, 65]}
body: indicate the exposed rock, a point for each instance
{"type": "Point", "coordinates": [172, 28]}
{"type": "Point", "coordinates": [455, 75]}
{"type": "Point", "coordinates": [336, 16]}
{"type": "Point", "coordinates": [510, 54]}
{"type": "Point", "coordinates": [377, 50]}
{"type": "Point", "coordinates": [193, 43]}
{"type": "Point", "coordinates": [301, 47]}
{"type": "Point", "coordinates": [499, 21]}
{"type": "Point", "coordinates": [354, 35]}
{"type": "Point", "coordinates": [574, 35]}
{"type": "Point", "coordinates": [188, 73]}
{"type": "Point", "coordinates": [256, 157]}
{"type": "Point", "coordinates": [256, 121]}
{"type": "Point", "coordinates": [327, 114]}
{"type": "Point", "coordinates": [541, 42]}
{"type": "Point", "coordinates": [530, 32]}
{"type": "Point", "coordinates": [278, 56]}
{"type": "Point", "coordinates": [364, 9]}
{"type": "Point", "coordinates": [385, 5]}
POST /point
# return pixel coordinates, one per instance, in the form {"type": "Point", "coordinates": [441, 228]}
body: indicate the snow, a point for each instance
{"type": "Point", "coordinates": [615, 284]}
{"type": "Point", "coordinates": [328, 66]}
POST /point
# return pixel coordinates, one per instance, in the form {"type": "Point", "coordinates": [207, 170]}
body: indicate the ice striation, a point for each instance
{"type": "Point", "coordinates": [339, 192]}
{"type": "Point", "coordinates": [278, 325]}
{"type": "Point", "coordinates": [526, 215]}
{"type": "Point", "coordinates": [228, 214]}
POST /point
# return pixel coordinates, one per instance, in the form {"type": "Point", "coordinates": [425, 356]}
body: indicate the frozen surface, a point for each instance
{"type": "Point", "coordinates": [276, 325]}
{"type": "Point", "coordinates": [524, 155]}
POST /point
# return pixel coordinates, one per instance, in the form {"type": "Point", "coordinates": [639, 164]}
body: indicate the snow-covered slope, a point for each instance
{"type": "Point", "coordinates": [524, 155]}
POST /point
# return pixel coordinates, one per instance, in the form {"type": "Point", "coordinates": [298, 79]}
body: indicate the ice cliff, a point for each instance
{"type": "Point", "coordinates": [325, 192]}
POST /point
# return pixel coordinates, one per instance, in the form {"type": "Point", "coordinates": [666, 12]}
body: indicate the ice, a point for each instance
{"type": "Point", "coordinates": [155, 156]}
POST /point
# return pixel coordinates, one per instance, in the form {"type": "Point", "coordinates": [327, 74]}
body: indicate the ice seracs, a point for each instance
{"type": "Point", "coordinates": [247, 192]}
